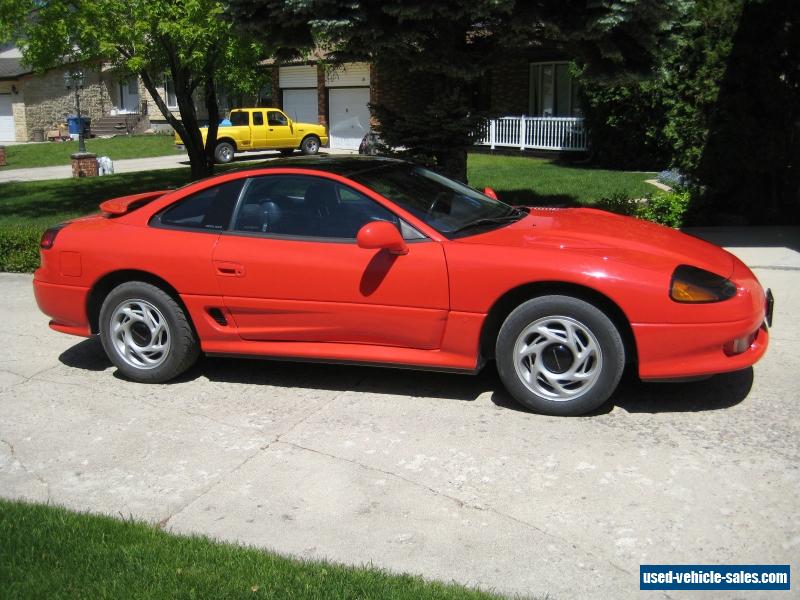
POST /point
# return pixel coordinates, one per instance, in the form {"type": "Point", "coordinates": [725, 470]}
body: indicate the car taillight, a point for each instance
{"type": "Point", "coordinates": [49, 237]}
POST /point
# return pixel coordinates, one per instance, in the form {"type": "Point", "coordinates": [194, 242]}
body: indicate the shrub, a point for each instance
{"type": "Point", "coordinates": [620, 203]}
{"type": "Point", "coordinates": [673, 178]}
{"type": "Point", "coordinates": [19, 248]}
{"type": "Point", "coordinates": [666, 208]}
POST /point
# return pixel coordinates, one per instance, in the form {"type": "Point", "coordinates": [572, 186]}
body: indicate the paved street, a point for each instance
{"type": "Point", "coordinates": [428, 473]}
{"type": "Point", "coordinates": [133, 165]}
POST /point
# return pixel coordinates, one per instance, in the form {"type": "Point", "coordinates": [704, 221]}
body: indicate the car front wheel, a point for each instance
{"type": "Point", "coordinates": [146, 333]}
{"type": "Point", "coordinates": [559, 355]}
{"type": "Point", "coordinates": [310, 145]}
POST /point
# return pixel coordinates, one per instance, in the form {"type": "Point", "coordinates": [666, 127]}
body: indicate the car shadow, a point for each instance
{"type": "Point", "coordinates": [633, 396]}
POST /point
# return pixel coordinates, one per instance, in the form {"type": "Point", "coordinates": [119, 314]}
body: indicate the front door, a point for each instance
{"type": "Point", "coordinates": [129, 96]}
{"type": "Point", "coordinates": [279, 132]}
{"type": "Point", "coordinates": [291, 269]}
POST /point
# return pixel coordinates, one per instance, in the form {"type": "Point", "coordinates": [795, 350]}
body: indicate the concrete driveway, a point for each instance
{"type": "Point", "coordinates": [434, 474]}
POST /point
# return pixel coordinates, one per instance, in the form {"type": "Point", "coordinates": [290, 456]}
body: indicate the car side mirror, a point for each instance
{"type": "Point", "coordinates": [381, 234]}
{"type": "Point", "coordinates": [487, 191]}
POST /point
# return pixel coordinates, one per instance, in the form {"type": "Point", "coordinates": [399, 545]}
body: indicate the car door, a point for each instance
{"type": "Point", "coordinates": [258, 130]}
{"type": "Point", "coordinates": [186, 231]}
{"type": "Point", "coordinates": [290, 269]}
{"type": "Point", "coordinates": [279, 131]}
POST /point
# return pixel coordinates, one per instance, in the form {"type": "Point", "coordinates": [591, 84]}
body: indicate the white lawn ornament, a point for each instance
{"type": "Point", "coordinates": [105, 166]}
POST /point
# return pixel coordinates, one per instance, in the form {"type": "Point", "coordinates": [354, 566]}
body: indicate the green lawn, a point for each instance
{"type": "Point", "coordinates": [523, 180]}
{"type": "Point", "coordinates": [117, 148]}
{"type": "Point", "coordinates": [49, 552]}
{"type": "Point", "coordinates": [26, 209]}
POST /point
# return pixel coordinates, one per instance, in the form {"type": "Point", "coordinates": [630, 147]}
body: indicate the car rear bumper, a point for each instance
{"type": "Point", "coordinates": [65, 305]}
{"type": "Point", "coordinates": [674, 351]}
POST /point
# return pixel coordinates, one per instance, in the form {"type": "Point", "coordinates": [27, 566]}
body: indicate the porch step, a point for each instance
{"type": "Point", "coordinates": [111, 125]}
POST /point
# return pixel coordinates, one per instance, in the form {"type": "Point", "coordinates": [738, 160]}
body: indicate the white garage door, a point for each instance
{"type": "Point", "coordinates": [349, 116]}
{"type": "Point", "coordinates": [301, 105]}
{"type": "Point", "coordinates": [6, 119]}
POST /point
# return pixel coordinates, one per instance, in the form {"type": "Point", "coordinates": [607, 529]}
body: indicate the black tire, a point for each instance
{"type": "Point", "coordinates": [310, 144]}
{"type": "Point", "coordinates": [287, 151]}
{"type": "Point", "coordinates": [224, 152]}
{"type": "Point", "coordinates": [555, 378]}
{"type": "Point", "coordinates": [136, 333]}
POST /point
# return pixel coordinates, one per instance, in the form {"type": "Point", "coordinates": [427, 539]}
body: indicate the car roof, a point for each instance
{"type": "Point", "coordinates": [340, 165]}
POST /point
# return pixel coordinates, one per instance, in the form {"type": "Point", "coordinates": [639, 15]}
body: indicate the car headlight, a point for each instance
{"type": "Point", "coordinates": [693, 285]}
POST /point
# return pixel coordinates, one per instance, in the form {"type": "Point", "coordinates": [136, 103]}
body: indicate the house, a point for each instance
{"type": "Point", "coordinates": [535, 98]}
{"type": "Point", "coordinates": [31, 102]}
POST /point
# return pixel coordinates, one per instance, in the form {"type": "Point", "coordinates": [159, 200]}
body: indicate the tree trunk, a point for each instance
{"type": "Point", "coordinates": [212, 108]}
{"type": "Point", "coordinates": [187, 127]}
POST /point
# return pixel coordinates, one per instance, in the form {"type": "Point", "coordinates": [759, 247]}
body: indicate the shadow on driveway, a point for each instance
{"type": "Point", "coordinates": [633, 396]}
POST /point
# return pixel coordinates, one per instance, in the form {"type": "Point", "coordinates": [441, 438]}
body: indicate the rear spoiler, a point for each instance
{"type": "Point", "coordinates": [125, 204]}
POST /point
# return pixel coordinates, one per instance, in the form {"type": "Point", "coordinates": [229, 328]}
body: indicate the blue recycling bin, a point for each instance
{"type": "Point", "coordinates": [74, 124]}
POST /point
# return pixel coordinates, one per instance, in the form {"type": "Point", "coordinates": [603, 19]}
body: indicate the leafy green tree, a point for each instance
{"type": "Point", "coordinates": [186, 39]}
{"type": "Point", "coordinates": [733, 115]}
{"type": "Point", "coordinates": [444, 48]}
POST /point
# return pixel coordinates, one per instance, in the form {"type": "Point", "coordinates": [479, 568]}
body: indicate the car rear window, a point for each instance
{"type": "Point", "coordinates": [240, 118]}
{"type": "Point", "coordinates": [210, 209]}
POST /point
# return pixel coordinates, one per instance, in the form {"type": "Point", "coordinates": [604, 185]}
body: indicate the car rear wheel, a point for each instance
{"type": "Point", "coordinates": [310, 145]}
{"type": "Point", "coordinates": [224, 152]}
{"type": "Point", "coordinates": [559, 355]}
{"type": "Point", "coordinates": [146, 333]}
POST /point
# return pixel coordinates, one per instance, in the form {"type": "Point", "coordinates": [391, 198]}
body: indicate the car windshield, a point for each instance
{"type": "Point", "coordinates": [450, 207]}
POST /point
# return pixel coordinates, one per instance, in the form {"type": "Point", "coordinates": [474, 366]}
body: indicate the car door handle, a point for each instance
{"type": "Point", "coordinates": [229, 269]}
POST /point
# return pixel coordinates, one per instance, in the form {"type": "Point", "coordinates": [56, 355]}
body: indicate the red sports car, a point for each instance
{"type": "Point", "coordinates": [370, 260]}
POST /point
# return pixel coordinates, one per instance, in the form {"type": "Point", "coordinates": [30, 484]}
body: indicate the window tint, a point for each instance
{"type": "Point", "coordinates": [276, 118]}
{"type": "Point", "coordinates": [210, 209]}
{"type": "Point", "coordinates": [240, 118]}
{"type": "Point", "coordinates": [258, 118]}
{"type": "Point", "coordinates": [306, 207]}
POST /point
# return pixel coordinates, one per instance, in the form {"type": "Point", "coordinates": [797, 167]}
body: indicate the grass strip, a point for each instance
{"type": "Point", "coordinates": [51, 552]}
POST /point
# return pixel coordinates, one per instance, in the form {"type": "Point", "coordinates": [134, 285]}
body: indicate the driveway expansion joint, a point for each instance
{"type": "Point", "coordinates": [25, 468]}
{"type": "Point", "coordinates": [462, 504]}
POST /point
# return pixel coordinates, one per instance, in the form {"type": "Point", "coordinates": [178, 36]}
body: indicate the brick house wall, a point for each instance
{"type": "Point", "coordinates": [45, 101]}
{"type": "Point", "coordinates": [509, 87]}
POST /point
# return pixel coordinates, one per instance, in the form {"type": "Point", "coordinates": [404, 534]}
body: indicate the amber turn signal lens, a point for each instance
{"type": "Point", "coordinates": [692, 285]}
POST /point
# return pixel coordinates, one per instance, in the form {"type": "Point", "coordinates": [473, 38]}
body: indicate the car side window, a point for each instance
{"type": "Point", "coordinates": [308, 207]}
{"type": "Point", "coordinates": [258, 118]}
{"type": "Point", "coordinates": [276, 118]}
{"type": "Point", "coordinates": [208, 210]}
{"type": "Point", "coordinates": [240, 118]}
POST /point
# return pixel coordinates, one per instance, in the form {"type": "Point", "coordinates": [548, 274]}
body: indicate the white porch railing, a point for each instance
{"type": "Point", "coordinates": [534, 133]}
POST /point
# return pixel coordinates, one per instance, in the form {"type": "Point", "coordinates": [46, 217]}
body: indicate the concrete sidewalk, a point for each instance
{"type": "Point", "coordinates": [435, 474]}
{"type": "Point", "coordinates": [133, 165]}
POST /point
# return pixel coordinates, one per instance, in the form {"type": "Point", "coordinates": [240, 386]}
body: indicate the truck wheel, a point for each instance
{"type": "Point", "coordinates": [223, 154]}
{"type": "Point", "coordinates": [310, 145]}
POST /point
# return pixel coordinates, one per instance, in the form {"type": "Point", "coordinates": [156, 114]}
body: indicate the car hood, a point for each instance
{"type": "Point", "coordinates": [591, 231]}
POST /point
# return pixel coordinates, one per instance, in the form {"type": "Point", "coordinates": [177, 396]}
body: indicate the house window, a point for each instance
{"type": "Point", "coordinates": [169, 93]}
{"type": "Point", "coordinates": [553, 91]}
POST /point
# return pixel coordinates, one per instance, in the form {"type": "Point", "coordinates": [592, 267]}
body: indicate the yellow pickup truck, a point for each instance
{"type": "Point", "coordinates": [263, 129]}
